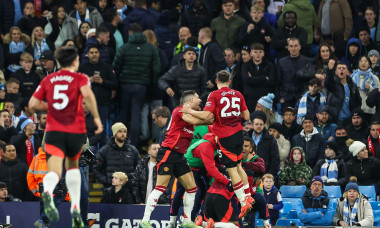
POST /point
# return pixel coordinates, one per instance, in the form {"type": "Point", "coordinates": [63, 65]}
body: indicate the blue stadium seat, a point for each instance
{"type": "Point", "coordinates": [259, 222]}
{"type": "Point", "coordinates": [290, 191]}
{"type": "Point", "coordinates": [292, 215]}
{"type": "Point", "coordinates": [334, 203]}
{"type": "Point", "coordinates": [375, 205]}
{"type": "Point", "coordinates": [294, 202]}
{"type": "Point", "coordinates": [285, 210]}
{"type": "Point", "coordinates": [368, 191]}
{"type": "Point", "coordinates": [289, 222]}
{"type": "Point", "coordinates": [333, 191]}
{"type": "Point", "coordinates": [376, 216]}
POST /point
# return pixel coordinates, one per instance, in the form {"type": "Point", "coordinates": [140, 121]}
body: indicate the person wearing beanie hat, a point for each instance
{"type": "Point", "coordinates": [324, 126]}
{"type": "Point", "coordinates": [353, 207]}
{"type": "Point", "coordinates": [375, 64]}
{"type": "Point", "coordinates": [117, 127]}
{"type": "Point", "coordinates": [265, 104]}
{"type": "Point", "coordinates": [275, 130]}
{"type": "Point", "coordinates": [90, 33]}
{"type": "Point", "coordinates": [361, 165]}
{"type": "Point", "coordinates": [310, 140]}
{"type": "Point", "coordinates": [316, 208]}
{"type": "Point", "coordinates": [27, 142]}
{"type": "Point", "coordinates": [357, 129]}
{"type": "Point", "coordinates": [296, 171]}
{"type": "Point", "coordinates": [331, 169]}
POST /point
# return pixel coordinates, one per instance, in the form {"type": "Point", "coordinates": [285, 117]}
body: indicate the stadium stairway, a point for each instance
{"type": "Point", "coordinates": [96, 192]}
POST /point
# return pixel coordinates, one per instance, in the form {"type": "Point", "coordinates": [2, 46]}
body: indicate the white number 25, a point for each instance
{"type": "Point", "coordinates": [231, 103]}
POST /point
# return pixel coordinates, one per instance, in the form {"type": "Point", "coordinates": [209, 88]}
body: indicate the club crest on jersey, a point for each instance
{"type": "Point", "coordinates": [166, 169]}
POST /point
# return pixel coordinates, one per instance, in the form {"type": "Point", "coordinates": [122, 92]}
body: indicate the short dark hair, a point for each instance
{"type": "Point", "coordinates": [161, 111]}
{"type": "Point", "coordinates": [340, 128]}
{"type": "Point", "coordinates": [3, 184]}
{"type": "Point", "coordinates": [186, 95]}
{"type": "Point", "coordinates": [101, 30]}
{"type": "Point", "coordinates": [340, 63]}
{"type": "Point", "coordinates": [109, 14]}
{"type": "Point", "coordinates": [294, 38]}
{"type": "Point", "coordinates": [315, 81]}
{"type": "Point", "coordinates": [68, 40]}
{"type": "Point", "coordinates": [12, 80]}
{"type": "Point", "coordinates": [135, 28]}
{"type": "Point", "coordinates": [249, 139]}
{"type": "Point", "coordinates": [40, 113]}
{"type": "Point", "coordinates": [4, 110]}
{"type": "Point", "coordinates": [227, 1]}
{"type": "Point", "coordinates": [364, 28]}
{"type": "Point", "coordinates": [223, 76]}
{"type": "Point", "coordinates": [66, 55]}
{"type": "Point", "coordinates": [7, 144]}
{"type": "Point", "coordinates": [93, 46]}
{"type": "Point", "coordinates": [257, 46]}
{"type": "Point", "coordinates": [289, 12]}
{"type": "Point", "coordinates": [375, 122]}
{"type": "Point", "coordinates": [192, 41]}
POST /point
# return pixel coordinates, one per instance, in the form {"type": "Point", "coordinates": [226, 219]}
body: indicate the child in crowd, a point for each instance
{"type": "Point", "coordinates": [273, 198]}
{"type": "Point", "coordinates": [119, 193]}
{"type": "Point", "coordinates": [29, 80]}
{"type": "Point", "coordinates": [296, 172]}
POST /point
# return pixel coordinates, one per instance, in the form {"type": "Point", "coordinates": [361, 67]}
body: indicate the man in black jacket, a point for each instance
{"type": "Point", "coordinates": [311, 141]}
{"type": "Point", "coordinates": [7, 130]}
{"type": "Point", "coordinates": [373, 142]}
{"type": "Point", "coordinates": [280, 38]}
{"type": "Point", "coordinates": [340, 105]}
{"type": "Point", "coordinates": [358, 129]}
{"type": "Point", "coordinates": [265, 145]}
{"type": "Point", "coordinates": [13, 173]}
{"type": "Point", "coordinates": [117, 155]}
{"type": "Point", "coordinates": [187, 75]}
{"type": "Point", "coordinates": [145, 176]}
{"type": "Point", "coordinates": [103, 81]}
{"type": "Point", "coordinates": [289, 123]}
{"type": "Point", "coordinates": [211, 57]}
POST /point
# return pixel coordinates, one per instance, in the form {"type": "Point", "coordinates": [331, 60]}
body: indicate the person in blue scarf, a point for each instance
{"type": "Point", "coordinates": [366, 81]}
{"type": "Point", "coordinates": [353, 207]}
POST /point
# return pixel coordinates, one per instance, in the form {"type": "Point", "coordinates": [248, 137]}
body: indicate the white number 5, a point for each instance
{"type": "Point", "coordinates": [228, 104]}
{"type": "Point", "coordinates": [58, 95]}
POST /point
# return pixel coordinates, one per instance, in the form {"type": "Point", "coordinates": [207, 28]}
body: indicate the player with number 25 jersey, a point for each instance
{"type": "Point", "coordinates": [62, 92]}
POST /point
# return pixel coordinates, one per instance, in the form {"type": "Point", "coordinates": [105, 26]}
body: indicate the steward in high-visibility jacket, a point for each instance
{"type": "Point", "coordinates": [36, 173]}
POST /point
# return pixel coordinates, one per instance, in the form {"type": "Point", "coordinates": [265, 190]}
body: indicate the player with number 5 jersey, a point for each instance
{"type": "Point", "coordinates": [228, 107]}
{"type": "Point", "coordinates": [61, 94]}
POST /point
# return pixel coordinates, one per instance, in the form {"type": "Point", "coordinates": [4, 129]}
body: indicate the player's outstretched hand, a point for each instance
{"type": "Point", "coordinates": [98, 124]}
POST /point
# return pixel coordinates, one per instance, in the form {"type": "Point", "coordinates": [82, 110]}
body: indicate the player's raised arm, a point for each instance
{"type": "Point", "coordinates": [203, 115]}
{"type": "Point", "coordinates": [89, 97]}
{"type": "Point", "coordinates": [196, 121]}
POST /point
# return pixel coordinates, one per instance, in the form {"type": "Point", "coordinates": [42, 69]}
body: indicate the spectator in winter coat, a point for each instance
{"type": "Point", "coordinates": [273, 198]}
{"type": "Point", "coordinates": [296, 171]}
{"type": "Point", "coordinates": [196, 16]}
{"type": "Point", "coordinates": [290, 126]}
{"type": "Point", "coordinates": [375, 64]}
{"type": "Point", "coordinates": [145, 176]}
{"type": "Point", "coordinates": [290, 29]}
{"type": "Point", "coordinates": [265, 145]}
{"type": "Point", "coordinates": [373, 100]}
{"type": "Point", "coordinates": [86, 13]}
{"type": "Point", "coordinates": [364, 167]}
{"type": "Point", "coordinates": [101, 39]}
{"type": "Point", "coordinates": [368, 43]}
{"type": "Point", "coordinates": [275, 129]}
{"type": "Point", "coordinates": [137, 65]}
{"type": "Point", "coordinates": [353, 53]}
{"type": "Point", "coordinates": [187, 75]}
{"type": "Point", "coordinates": [120, 192]}
{"type": "Point", "coordinates": [117, 155]}
{"type": "Point", "coordinates": [289, 91]}
{"type": "Point", "coordinates": [7, 130]}
{"type": "Point", "coordinates": [341, 137]}
{"type": "Point", "coordinates": [358, 129]}
{"type": "Point", "coordinates": [256, 30]}
{"type": "Point", "coordinates": [11, 13]}
{"type": "Point", "coordinates": [30, 20]}
{"type": "Point", "coordinates": [227, 38]}
{"type": "Point", "coordinates": [257, 76]}
{"type": "Point", "coordinates": [211, 56]}
{"type": "Point", "coordinates": [310, 140]}
{"type": "Point", "coordinates": [343, 95]}
{"type": "Point", "coordinates": [353, 208]}
{"type": "Point", "coordinates": [332, 169]}
{"type": "Point", "coordinates": [112, 22]}
{"type": "Point", "coordinates": [373, 141]}
{"type": "Point", "coordinates": [13, 173]}
{"type": "Point", "coordinates": [316, 208]}
{"type": "Point", "coordinates": [39, 44]}
{"type": "Point", "coordinates": [325, 127]}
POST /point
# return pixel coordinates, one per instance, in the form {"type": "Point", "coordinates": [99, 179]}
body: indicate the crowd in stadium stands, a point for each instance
{"type": "Point", "coordinates": [308, 69]}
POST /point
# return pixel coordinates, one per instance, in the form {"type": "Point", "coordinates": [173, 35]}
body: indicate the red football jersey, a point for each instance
{"type": "Point", "coordinates": [179, 133]}
{"type": "Point", "coordinates": [226, 104]}
{"type": "Point", "coordinates": [61, 90]}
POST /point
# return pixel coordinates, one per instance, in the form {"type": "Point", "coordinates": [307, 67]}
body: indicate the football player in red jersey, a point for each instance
{"type": "Point", "coordinates": [228, 107]}
{"type": "Point", "coordinates": [65, 128]}
{"type": "Point", "coordinates": [171, 160]}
